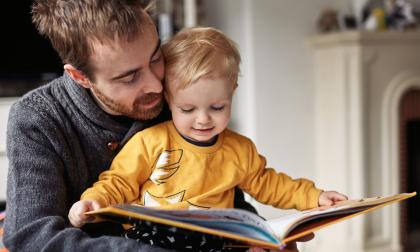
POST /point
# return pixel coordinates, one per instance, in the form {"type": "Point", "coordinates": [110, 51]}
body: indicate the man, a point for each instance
{"type": "Point", "coordinates": [61, 136]}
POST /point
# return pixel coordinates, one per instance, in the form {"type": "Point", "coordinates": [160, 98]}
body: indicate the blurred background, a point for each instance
{"type": "Point", "coordinates": [329, 90]}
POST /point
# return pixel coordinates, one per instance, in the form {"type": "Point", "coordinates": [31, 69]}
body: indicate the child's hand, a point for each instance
{"type": "Point", "coordinates": [77, 212]}
{"type": "Point", "coordinates": [329, 198]}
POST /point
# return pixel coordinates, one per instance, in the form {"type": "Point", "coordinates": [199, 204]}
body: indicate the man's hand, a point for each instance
{"type": "Point", "coordinates": [329, 198]}
{"type": "Point", "coordinates": [291, 246]}
{"type": "Point", "coordinates": [77, 212]}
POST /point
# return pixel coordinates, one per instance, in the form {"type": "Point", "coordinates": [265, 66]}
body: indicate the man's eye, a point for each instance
{"type": "Point", "coordinates": [187, 110]}
{"type": "Point", "coordinates": [130, 79]}
{"type": "Point", "coordinates": [220, 108]}
{"type": "Point", "coordinates": [157, 59]}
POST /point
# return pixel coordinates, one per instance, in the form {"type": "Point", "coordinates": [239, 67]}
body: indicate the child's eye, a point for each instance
{"type": "Point", "coordinates": [219, 108]}
{"type": "Point", "coordinates": [187, 110]}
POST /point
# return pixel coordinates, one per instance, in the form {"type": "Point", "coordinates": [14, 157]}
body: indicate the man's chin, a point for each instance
{"type": "Point", "coordinates": [143, 114]}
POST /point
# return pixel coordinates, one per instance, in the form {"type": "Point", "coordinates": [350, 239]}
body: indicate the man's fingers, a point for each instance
{"type": "Point", "coordinates": [256, 249]}
{"type": "Point", "coordinates": [290, 247]}
{"type": "Point", "coordinates": [306, 238]}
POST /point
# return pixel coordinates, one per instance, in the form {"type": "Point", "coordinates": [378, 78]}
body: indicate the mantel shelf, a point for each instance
{"type": "Point", "coordinates": [365, 38]}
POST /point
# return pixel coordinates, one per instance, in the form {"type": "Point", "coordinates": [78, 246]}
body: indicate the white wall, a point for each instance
{"type": "Point", "coordinates": [274, 103]}
{"type": "Point", "coordinates": [5, 104]}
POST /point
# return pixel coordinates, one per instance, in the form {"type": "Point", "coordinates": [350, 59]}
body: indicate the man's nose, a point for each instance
{"type": "Point", "coordinates": [153, 83]}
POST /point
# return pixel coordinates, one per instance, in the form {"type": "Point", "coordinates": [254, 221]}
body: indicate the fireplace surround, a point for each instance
{"type": "Point", "coordinates": [360, 79]}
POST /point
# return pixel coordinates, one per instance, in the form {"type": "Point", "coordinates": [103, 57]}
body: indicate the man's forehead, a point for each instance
{"type": "Point", "coordinates": [121, 51]}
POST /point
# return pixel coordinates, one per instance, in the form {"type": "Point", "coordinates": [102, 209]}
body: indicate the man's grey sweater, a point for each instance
{"type": "Point", "coordinates": [57, 145]}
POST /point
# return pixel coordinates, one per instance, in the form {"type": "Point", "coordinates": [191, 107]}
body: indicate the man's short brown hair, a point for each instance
{"type": "Point", "coordinates": [72, 25]}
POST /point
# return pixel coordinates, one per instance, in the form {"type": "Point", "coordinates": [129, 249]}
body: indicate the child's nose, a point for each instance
{"type": "Point", "coordinates": [203, 118]}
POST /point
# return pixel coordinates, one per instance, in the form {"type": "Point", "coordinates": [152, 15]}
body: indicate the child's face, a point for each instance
{"type": "Point", "coordinates": [202, 110]}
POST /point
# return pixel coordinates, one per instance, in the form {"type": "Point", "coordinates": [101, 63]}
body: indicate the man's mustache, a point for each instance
{"type": "Point", "coordinates": [146, 99]}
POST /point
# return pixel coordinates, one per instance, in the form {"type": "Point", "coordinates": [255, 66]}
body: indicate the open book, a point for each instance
{"type": "Point", "coordinates": [241, 227]}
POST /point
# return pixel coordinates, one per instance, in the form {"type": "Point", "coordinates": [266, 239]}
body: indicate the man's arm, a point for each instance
{"type": "Point", "coordinates": [38, 192]}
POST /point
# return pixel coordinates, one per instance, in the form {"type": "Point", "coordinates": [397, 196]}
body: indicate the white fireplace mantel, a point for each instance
{"type": "Point", "coordinates": [359, 80]}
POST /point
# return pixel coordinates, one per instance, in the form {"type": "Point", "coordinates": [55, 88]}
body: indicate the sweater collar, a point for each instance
{"type": "Point", "coordinates": [85, 103]}
{"type": "Point", "coordinates": [195, 148]}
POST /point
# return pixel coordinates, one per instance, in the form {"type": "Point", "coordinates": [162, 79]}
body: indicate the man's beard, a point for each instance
{"type": "Point", "coordinates": [136, 111]}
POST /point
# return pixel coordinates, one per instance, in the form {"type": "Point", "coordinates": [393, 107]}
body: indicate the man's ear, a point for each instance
{"type": "Point", "coordinates": [79, 77]}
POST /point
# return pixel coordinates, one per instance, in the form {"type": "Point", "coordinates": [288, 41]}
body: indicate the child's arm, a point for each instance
{"type": "Point", "coordinates": [280, 190]}
{"type": "Point", "coordinates": [122, 182]}
{"type": "Point", "coordinates": [77, 212]}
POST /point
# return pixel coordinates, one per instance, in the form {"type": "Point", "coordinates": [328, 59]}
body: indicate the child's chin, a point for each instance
{"type": "Point", "coordinates": [202, 139]}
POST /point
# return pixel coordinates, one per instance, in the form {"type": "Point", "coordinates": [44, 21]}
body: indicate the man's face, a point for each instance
{"type": "Point", "coordinates": [128, 75]}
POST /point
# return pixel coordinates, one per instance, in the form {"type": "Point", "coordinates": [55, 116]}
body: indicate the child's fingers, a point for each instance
{"type": "Point", "coordinates": [95, 205]}
{"type": "Point", "coordinates": [335, 196]}
{"type": "Point", "coordinates": [327, 202]}
{"type": "Point", "coordinates": [328, 198]}
{"type": "Point", "coordinates": [75, 221]}
{"type": "Point", "coordinates": [77, 214]}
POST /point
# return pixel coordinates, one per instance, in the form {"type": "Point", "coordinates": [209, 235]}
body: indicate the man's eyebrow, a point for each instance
{"type": "Point", "coordinates": [157, 47]}
{"type": "Point", "coordinates": [132, 71]}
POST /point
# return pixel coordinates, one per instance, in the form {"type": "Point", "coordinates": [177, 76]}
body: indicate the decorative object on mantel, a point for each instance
{"type": "Point", "coordinates": [379, 15]}
{"type": "Point", "coordinates": [328, 21]}
{"type": "Point", "coordinates": [400, 15]}
{"type": "Point", "coordinates": [376, 20]}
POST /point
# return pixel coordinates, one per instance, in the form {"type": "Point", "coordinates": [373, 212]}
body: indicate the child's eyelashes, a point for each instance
{"type": "Point", "coordinates": [183, 110]}
{"type": "Point", "coordinates": [217, 108]}
{"type": "Point", "coordinates": [213, 108]}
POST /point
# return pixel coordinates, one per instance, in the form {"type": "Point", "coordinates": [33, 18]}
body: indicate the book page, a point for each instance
{"type": "Point", "coordinates": [284, 225]}
{"type": "Point", "coordinates": [232, 220]}
{"type": "Point", "coordinates": [209, 214]}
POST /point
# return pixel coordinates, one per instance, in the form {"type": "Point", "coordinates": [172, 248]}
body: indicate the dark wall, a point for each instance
{"type": "Point", "coordinates": [24, 53]}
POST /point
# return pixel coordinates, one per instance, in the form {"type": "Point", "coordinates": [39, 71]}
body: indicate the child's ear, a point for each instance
{"type": "Point", "coordinates": [79, 77]}
{"type": "Point", "coordinates": [235, 87]}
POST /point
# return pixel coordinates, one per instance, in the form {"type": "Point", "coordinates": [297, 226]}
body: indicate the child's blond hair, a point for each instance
{"type": "Point", "coordinates": [200, 52]}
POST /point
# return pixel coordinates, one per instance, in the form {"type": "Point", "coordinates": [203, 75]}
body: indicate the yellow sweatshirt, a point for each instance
{"type": "Point", "coordinates": [158, 167]}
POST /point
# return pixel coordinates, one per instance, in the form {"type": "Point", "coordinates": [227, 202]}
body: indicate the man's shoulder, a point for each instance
{"type": "Point", "coordinates": [40, 105]}
{"type": "Point", "coordinates": [40, 99]}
